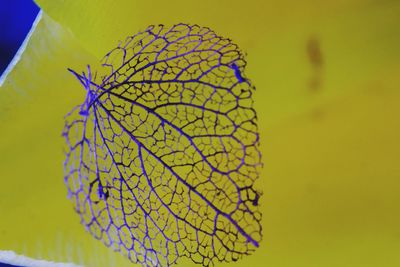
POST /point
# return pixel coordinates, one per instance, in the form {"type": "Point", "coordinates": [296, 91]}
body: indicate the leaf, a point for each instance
{"type": "Point", "coordinates": [163, 153]}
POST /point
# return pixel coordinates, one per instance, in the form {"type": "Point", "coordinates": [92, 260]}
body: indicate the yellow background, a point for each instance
{"type": "Point", "coordinates": [331, 153]}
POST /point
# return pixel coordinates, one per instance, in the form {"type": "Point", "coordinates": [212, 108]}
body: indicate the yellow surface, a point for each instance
{"type": "Point", "coordinates": [331, 177]}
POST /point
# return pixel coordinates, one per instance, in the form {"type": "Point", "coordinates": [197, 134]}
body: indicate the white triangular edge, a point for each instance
{"type": "Point", "coordinates": [21, 49]}
{"type": "Point", "coordinates": [10, 257]}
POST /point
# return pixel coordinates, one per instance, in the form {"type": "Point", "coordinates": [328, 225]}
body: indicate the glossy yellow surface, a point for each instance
{"type": "Point", "coordinates": [328, 94]}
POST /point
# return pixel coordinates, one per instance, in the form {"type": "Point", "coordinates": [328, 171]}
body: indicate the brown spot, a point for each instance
{"type": "Point", "coordinates": [314, 53]}
{"type": "Point", "coordinates": [315, 57]}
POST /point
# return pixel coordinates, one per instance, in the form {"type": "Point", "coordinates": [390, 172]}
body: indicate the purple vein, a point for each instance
{"type": "Point", "coordinates": [249, 238]}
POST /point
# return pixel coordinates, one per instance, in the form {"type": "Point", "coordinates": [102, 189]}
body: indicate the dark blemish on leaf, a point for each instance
{"type": "Point", "coordinates": [238, 74]}
{"type": "Point", "coordinates": [84, 112]}
{"type": "Point", "coordinates": [102, 191]}
{"type": "Point", "coordinates": [256, 199]}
